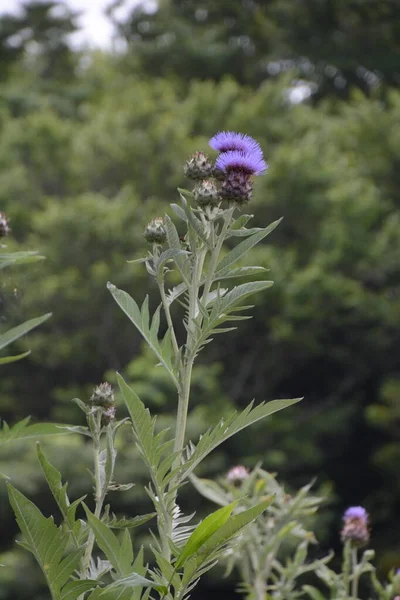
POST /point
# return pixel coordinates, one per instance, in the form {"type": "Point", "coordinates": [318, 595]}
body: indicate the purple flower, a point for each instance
{"type": "Point", "coordinates": [356, 512]}
{"type": "Point", "coordinates": [235, 160]}
{"type": "Point", "coordinates": [237, 474]}
{"type": "Point", "coordinates": [355, 528]}
{"type": "Point", "coordinates": [226, 141]}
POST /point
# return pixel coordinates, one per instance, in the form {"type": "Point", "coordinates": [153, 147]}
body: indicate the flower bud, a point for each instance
{"type": "Point", "coordinates": [237, 187]}
{"type": "Point", "coordinates": [4, 228]}
{"type": "Point", "coordinates": [155, 231]}
{"type": "Point", "coordinates": [199, 166]}
{"type": "Point", "coordinates": [206, 193]}
{"type": "Point", "coordinates": [236, 475]}
{"type": "Point", "coordinates": [108, 416]}
{"type": "Point", "coordinates": [103, 396]}
{"type": "Point", "coordinates": [355, 528]}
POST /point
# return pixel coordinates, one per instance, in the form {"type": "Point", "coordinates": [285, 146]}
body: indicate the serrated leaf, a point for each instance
{"type": "Point", "coordinates": [46, 541]}
{"type": "Point", "coordinates": [223, 306]}
{"type": "Point", "coordinates": [74, 589]}
{"type": "Point", "coordinates": [181, 261]}
{"type": "Point", "coordinates": [130, 523]}
{"type": "Point", "coordinates": [140, 318]}
{"type": "Point", "coordinates": [126, 553]}
{"type": "Point", "coordinates": [210, 551]}
{"type": "Point", "coordinates": [241, 249]}
{"type": "Point", "coordinates": [241, 272]}
{"type": "Point", "coordinates": [106, 540]}
{"type": "Point", "coordinates": [225, 429]}
{"type": "Point", "coordinates": [167, 256]}
{"type": "Point", "coordinates": [16, 332]}
{"type": "Point", "coordinates": [195, 223]}
{"type": "Point", "coordinates": [148, 443]}
{"type": "Point", "coordinates": [23, 431]}
{"type": "Point", "coordinates": [203, 532]}
{"type": "Point", "coordinates": [59, 491]}
{"type": "Point", "coordinates": [133, 580]}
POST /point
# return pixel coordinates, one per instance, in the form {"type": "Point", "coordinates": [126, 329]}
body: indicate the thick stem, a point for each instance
{"type": "Point", "coordinates": [216, 252]}
{"type": "Point", "coordinates": [168, 317]}
{"type": "Point", "coordinates": [99, 493]}
{"type": "Point", "coordinates": [354, 565]}
{"type": "Point", "coordinates": [346, 567]}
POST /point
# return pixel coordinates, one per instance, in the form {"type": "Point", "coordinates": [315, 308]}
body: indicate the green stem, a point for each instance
{"type": "Point", "coordinates": [99, 492]}
{"type": "Point", "coordinates": [216, 252]}
{"type": "Point", "coordinates": [346, 567]}
{"type": "Point", "coordinates": [168, 317]}
{"type": "Point", "coordinates": [354, 583]}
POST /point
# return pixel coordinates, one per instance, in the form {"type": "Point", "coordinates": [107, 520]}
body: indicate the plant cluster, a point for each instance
{"type": "Point", "coordinates": [182, 552]}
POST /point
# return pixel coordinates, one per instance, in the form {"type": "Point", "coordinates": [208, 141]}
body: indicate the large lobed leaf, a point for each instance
{"type": "Point", "coordinates": [46, 541]}
{"type": "Point", "coordinates": [16, 332]}
{"type": "Point", "coordinates": [149, 330]}
{"type": "Point", "coordinates": [226, 428]}
{"type": "Point", "coordinates": [23, 431]}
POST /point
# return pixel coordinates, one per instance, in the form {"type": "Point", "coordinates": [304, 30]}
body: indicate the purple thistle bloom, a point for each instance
{"type": "Point", "coordinates": [226, 141]}
{"type": "Point", "coordinates": [234, 160]}
{"type": "Point", "coordinates": [356, 512]}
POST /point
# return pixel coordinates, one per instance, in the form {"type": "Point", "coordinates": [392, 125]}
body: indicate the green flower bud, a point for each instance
{"type": "Point", "coordinates": [206, 193]}
{"type": "Point", "coordinates": [103, 396]}
{"type": "Point", "coordinates": [155, 231]}
{"type": "Point", "coordinates": [199, 166]}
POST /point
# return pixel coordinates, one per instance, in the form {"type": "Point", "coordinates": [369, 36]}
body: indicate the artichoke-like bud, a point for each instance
{"type": "Point", "coordinates": [355, 527]}
{"type": "Point", "coordinates": [236, 475]}
{"type": "Point", "coordinates": [237, 187]}
{"type": "Point", "coordinates": [4, 228]}
{"type": "Point", "coordinates": [155, 231]}
{"type": "Point", "coordinates": [103, 396]}
{"type": "Point", "coordinates": [199, 166]}
{"type": "Point", "coordinates": [206, 193]}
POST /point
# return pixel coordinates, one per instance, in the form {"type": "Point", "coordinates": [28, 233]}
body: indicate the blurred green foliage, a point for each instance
{"type": "Point", "coordinates": [87, 159]}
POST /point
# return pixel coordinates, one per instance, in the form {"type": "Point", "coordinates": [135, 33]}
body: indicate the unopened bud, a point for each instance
{"type": "Point", "coordinates": [103, 396]}
{"type": "Point", "coordinates": [155, 231]}
{"type": "Point", "coordinates": [199, 166]}
{"type": "Point", "coordinates": [206, 193]}
{"type": "Point", "coordinates": [237, 187]}
{"type": "Point", "coordinates": [4, 228]}
{"type": "Point", "coordinates": [355, 528]}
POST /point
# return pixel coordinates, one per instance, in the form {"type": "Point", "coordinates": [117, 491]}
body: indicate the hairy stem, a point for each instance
{"type": "Point", "coordinates": [95, 425]}
{"type": "Point", "coordinates": [168, 317]}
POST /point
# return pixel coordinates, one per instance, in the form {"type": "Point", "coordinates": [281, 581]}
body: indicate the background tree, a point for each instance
{"type": "Point", "coordinates": [86, 161]}
{"type": "Point", "coordinates": [335, 44]}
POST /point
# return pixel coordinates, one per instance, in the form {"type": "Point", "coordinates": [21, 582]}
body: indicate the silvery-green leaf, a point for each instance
{"type": "Point", "coordinates": [241, 249]}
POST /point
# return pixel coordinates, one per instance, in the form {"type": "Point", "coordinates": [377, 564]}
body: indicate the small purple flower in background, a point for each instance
{"type": "Point", "coordinates": [224, 141]}
{"type": "Point", "coordinates": [251, 163]}
{"type": "Point", "coordinates": [355, 528]}
{"type": "Point", "coordinates": [237, 474]}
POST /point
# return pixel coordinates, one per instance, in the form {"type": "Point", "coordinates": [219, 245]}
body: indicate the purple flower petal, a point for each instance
{"type": "Point", "coordinates": [356, 512]}
{"type": "Point", "coordinates": [233, 160]}
{"type": "Point", "coordinates": [226, 141]}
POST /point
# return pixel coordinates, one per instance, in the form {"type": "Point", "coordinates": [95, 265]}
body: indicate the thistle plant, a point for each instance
{"type": "Point", "coordinates": [93, 557]}
{"type": "Point", "coordinates": [271, 554]}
